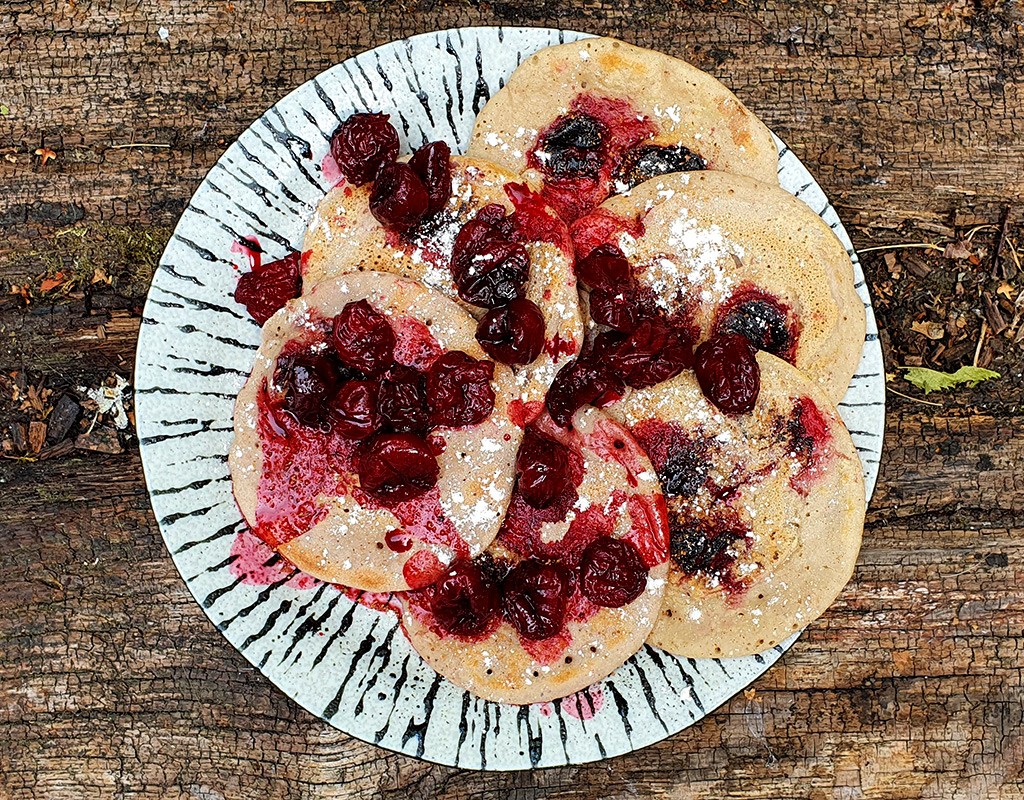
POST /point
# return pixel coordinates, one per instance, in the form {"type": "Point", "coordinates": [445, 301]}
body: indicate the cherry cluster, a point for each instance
{"type": "Point", "coordinates": [365, 147]}
{"type": "Point", "coordinates": [641, 348]}
{"type": "Point", "coordinates": [533, 596]}
{"type": "Point", "coordinates": [355, 388]}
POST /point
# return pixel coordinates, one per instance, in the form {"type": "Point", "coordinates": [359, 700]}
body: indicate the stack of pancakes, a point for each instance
{"type": "Point", "coordinates": [757, 517]}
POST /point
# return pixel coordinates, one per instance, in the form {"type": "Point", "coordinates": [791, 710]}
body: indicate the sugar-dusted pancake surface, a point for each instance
{"type": "Point", "coordinates": [590, 118]}
{"type": "Point", "coordinates": [297, 486]}
{"type": "Point", "coordinates": [343, 236]}
{"type": "Point", "coordinates": [616, 495]}
{"type": "Point", "coordinates": [725, 253]}
{"type": "Point", "coordinates": [766, 509]}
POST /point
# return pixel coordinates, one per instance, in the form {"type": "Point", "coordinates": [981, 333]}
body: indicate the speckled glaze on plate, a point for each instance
{"type": "Point", "coordinates": [342, 660]}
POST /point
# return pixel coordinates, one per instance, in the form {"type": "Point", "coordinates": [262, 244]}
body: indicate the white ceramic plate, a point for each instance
{"type": "Point", "coordinates": [342, 661]}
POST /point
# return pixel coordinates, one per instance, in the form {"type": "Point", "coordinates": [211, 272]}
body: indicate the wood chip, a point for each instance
{"type": "Point", "coordinates": [993, 315]}
{"type": "Point", "coordinates": [933, 330]}
{"type": "Point", "coordinates": [957, 250]}
{"type": "Point", "coordinates": [58, 450]}
{"type": "Point", "coordinates": [916, 266]}
{"type": "Point", "coordinates": [102, 439]}
{"type": "Point", "coordinates": [19, 436]}
{"type": "Point", "coordinates": [63, 416]}
{"type": "Point", "coordinates": [36, 436]}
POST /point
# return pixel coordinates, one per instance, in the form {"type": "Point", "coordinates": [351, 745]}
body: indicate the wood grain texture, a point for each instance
{"type": "Point", "coordinates": [113, 683]}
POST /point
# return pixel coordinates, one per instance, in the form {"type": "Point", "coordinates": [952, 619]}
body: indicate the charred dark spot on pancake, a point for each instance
{"type": "Point", "coordinates": [650, 160]}
{"type": "Point", "coordinates": [703, 549]}
{"type": "Point", "coordinates": [573, 147]}
{"type": "Point", "coordinates": [685, 470]}
{"type": "Point", "coordinates": [765, 320]}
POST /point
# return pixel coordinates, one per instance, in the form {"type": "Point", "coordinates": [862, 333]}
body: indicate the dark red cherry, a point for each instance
{"type": "Point", "coordinates": [308, 382]}
{"type": "Point", "coordinates": [512, 334]}
{"type": "Point", "coordinates": [488, 270]}
{"type": "Point", "coordinates": [402, 400]}
{"type": "Point", "coordinates": [728, 373]}
{"type": "Point", "coordinates": [362, 145]}
{"type": "Point", "coordinates": [534, 598]}
{"type": "Point", "coordinates": [497, 215]}
{"type": "Point", "coordinates": [579, 383]}
{"type": "Point", "coordinates": [432, 165]}
{"type": "Point", "coordinates": [542, 466]}
{"type": "Point", "coordinates": [266, 289]}
{"type": "Point", "coordinates": [612, 573]}
{"type": "Point", "coordinates": [604, 267]}
{"type": "Point", "coordinates": [459, 390]}
{"type": "Point", "coordinates": [364, 338]}
{"type": "Point", "coordinates": [616, 308]}
{"type": "Point", "coordinates": [465, 601]}
{"type": "Point", "coordinates": [396, 467]}
{"type": "Point", "coordinates": [652, 353]}
{"type": "Point", "coordinates": [398, 198]}
{"type": "Point", "coordinates": [354, 410]}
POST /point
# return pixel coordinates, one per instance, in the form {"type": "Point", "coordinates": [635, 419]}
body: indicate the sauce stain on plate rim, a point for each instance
{"type": "Point", "coordinates": [342, 660]}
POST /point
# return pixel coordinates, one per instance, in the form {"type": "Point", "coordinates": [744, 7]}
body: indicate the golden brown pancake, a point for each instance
{"type": "Point", "coordinates": [652, 112]}
{"type": "Point", "coordinates": [304, 498]}
{"type": "Point", "coordinates": [343, 236]}
{"type": "Point", "coordinates": [723, 252]}
{"type": "Point", "coordinates": [618, 495]}
{"type": "Point", "coordinates": [766, 509]}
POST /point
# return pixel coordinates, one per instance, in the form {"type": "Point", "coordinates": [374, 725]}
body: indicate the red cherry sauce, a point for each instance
{"type": "Point", "coordinates": [575, 192]}
{"type": "Point", "coordinates": [301, 464]}
{"type": "Point", "coordinates": [766, 321]}
{"type": "Point", "coordinates": [602, 227]}
{"type": "Point", "coordinates": [331, 171]}
{"type": "Point", "coordinates": [648, 512]}
{"type": "Point", "coordinates": [536, 220]}
{"type": "Point", "coordinates": [556, 347]}
{"type": "Point", "coordinates": [257, 565]}
{"type": "Point", "coordinates": [808, 435]}
{"type": "Point", "coordinates": [250, 248]}
{"type": "Point", "coordinates": [415, 345]}
{"type": "Point", "coordinates": [522, 413]}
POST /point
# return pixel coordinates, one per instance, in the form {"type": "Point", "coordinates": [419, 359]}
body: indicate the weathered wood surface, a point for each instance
{"type": "Point", "coordinates": [113, 683]}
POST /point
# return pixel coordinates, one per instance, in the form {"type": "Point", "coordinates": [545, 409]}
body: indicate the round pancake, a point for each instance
{"type": "Point", "coordinates": [716, 251]}
{"type": "Point", "coordinates": [618, 495]}
{"type": "Point", "coordinates": [343, 236]}
{"type": "Point", "coordinates": [299, 491]}
{"type": "Point", "coordinates": [642, 97]}
{"type": "Point", "coordinates": [766, 510]}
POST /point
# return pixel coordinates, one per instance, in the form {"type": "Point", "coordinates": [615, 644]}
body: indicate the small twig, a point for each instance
{"type": "Point", "coordinates": [981, 341]}
{"type": "Point", "coordinates": [915, 245]}
{"type": "Point", "coordinates": [978, 228]}
{"type": "Point", "coordinates": [915, 399]}
{"type": "Point", "coordinates": [1004, 221]}
{"type": "Point", "coordinates": [138, 144]}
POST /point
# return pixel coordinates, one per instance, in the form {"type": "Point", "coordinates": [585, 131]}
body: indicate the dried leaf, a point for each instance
{"type": "Point", "coordinates": [45, 154]}
{"type": "Point", "coordinates": [957, 250]}
{"type": "Point", "coordinates": [49, 284]}
{"type": "Point", "coordinates": [933, 330]}
{"type": "Point", "coordinates": [1005, 290]}
{"type": "Point", "coordinates": [931, 380]}
{"type": "Point", "coordinates": [99, 276]}
{"type": "Point", "coordinates": [36, 436]}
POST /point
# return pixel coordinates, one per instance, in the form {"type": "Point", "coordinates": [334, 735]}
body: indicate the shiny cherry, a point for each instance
{"type": "Point", "coordinates": [402, 400]}
{"type": "Point", "coordinates": [396, 467]}
{"type": "Point", "coordinates": [612, 573]}
{"type": "Point", "coordinates": [459, 390]}
{"type": "Point", "coordinates": [398, 198]}
{"type": "Point", "coordinates": [542, 467]}
{"type": "Point", "coordinates": [308, 381]}
{"type": "Point", "coordinates": [728, 372]}
{"type": "Point", "coordinates": [604, 267]}
{"type": "Point", "coordinates": [266, 289]}
{"type": "Point", "coordinates": [354, 410]}
{"type": "Point", "coordinates": [465, 602]}
{"type": "Point", "coordinates": [362, 145]}
{"type": "Point", "coordinates": [432, 165]}
{"type": "Point", "coordinates": [512, 334]}
{"type": "Point", "coordinates": [364, 338]}
{"type": "Point", "coordinates": [534, 598]}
